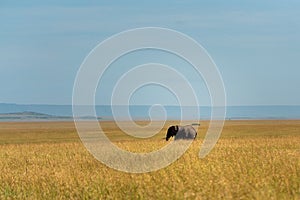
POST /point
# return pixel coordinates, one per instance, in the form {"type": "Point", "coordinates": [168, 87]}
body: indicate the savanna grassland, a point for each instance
{"type": "Point", "coordinates": [252, 160]}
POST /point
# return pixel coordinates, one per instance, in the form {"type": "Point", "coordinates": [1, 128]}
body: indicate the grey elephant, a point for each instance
{"type": "Point", "coordinates": [181, 132]}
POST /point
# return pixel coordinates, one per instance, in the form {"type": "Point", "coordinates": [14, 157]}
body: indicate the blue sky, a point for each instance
{"type": "Point", "coordinates": [255, 44]}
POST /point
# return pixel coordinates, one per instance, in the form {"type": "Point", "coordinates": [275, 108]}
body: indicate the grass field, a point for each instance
{"type": "Point", "coordinates": [252, 160]}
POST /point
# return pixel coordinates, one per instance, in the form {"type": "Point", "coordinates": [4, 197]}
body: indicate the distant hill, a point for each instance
{"type": "Point", "coordinates": [30, 116]}
{"type": "Point", "coordinates": [35, 116]}
{"type": "Point", "coordinates": [38, 112]}
{"type": "Point", "coordinates": [55, 110]}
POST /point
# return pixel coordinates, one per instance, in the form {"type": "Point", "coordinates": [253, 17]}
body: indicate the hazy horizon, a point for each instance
{"type": "Point", "coordinates": [16, 112]}
{"type": "Point", "coordinates": [148, 105]}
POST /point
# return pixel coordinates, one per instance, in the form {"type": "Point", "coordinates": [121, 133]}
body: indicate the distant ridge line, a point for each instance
{"type": "Point", "coordinates": [139, 112]}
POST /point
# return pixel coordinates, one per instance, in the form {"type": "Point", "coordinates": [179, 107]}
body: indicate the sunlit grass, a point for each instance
{"type": "Point", "coordinates": [252, 160]}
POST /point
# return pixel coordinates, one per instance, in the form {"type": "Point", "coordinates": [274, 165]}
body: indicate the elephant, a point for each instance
{"type": "Point", "coordinates": [181, 132]}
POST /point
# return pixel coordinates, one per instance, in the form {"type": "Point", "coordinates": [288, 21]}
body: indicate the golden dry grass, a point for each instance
{"type": "Point", "coordinates": [252, 160]}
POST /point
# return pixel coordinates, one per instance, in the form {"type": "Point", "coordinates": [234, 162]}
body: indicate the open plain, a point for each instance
{"type": "Point", "coordinates": [253, 159]}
